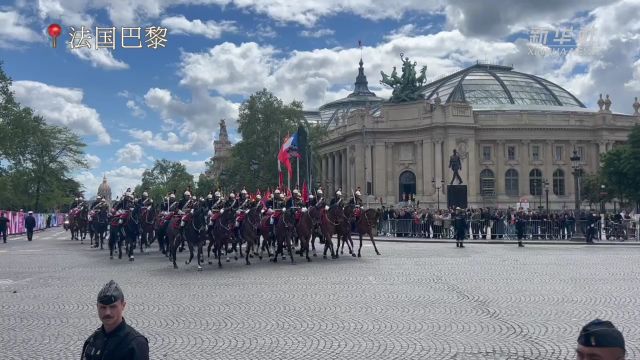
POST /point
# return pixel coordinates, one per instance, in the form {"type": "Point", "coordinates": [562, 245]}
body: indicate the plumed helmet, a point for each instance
{"type": "Point", "coordinates": [218, 194]}
{"type": "Point", "coordinates": [145, 194]}
{"type": "Point", "coordinates": [311, 196]}
{"type": "Point", "coordinates": [277, 192]}
{"type": "Point", "coordinates": [258, 196]}
{"type": "Point", "coordinates": [243, 192]}
{"type": "Point", "coordinates": [187, 193]}
{"type": "Point", "coordinates": [338, 193]}
{"type": "Point", "coordinates": [296, 191]}
{"type": "Point", "coordinates": [210, 196]}
{"type": "Point", "coordinates": [98, 197]}
{"type": "Point", "coordinates": [77, 199]}
{"type": "Point", "coordinates": [172, 196]}
{"type": "Point", "coordinates": [320, 191]}
{"type": "Point", "coordinates": [358, 193]}
{"type": "Point", "coordinates": [232, 195]}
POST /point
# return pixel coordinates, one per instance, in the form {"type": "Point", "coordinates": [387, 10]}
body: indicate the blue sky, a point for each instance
{"type": "Point", "coordinates": [135, 105]}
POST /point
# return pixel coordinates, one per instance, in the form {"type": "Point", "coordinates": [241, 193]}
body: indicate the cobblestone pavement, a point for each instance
{"type": "Point", "coordinates": [416, 301]}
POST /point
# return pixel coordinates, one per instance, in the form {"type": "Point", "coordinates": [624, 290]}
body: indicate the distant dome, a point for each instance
{"type": "Point", "coordinates": [496, 87]}
{"type": "Point", "coordinates": [360, 98]}
{"type": "Point", "coordinates": [104, 190]}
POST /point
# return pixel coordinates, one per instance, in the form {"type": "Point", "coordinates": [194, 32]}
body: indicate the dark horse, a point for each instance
{"type": "Point", "coordinates": [116, 235]}
{"type": "Point", "coordinates": [147, 225]}
{"type": "Point", "coordinates": [98, 226]}
{"type": "Point", "coordinates": [220, 231]}
{"type": "Point", "coordinates": [131, 228]}
{"type": "Point", "coordinates": [78, 224]}
{"type": "Point", "coordinates": [248, 231]}
{"type": "Point", "coordinates": [284, 233]}
{"type": "Point", "coordinates": [315, 213]}
{"type": "Point", "coordinates": [332, 219]}
{"type": "Point", "coordinates": [195, 233]}
{"type": "Point", "coordinates": [160, 227]}
{"type": "Point", "coordinates": [365, 224]}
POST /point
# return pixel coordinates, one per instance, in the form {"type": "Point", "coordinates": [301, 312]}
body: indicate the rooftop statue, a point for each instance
{"type": "Point", "coordinates": [408, 87]}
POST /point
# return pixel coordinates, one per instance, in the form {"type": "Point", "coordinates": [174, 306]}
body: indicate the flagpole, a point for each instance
{"type": "Point", "coordinates": [297, 171]}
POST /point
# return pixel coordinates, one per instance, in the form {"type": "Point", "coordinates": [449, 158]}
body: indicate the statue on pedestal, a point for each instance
{"type": "Point", "coordinates": [455, 164]}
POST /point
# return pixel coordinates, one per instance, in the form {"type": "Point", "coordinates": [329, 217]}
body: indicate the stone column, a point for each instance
{"type": "Point", "coordinates": [390, 195]}
{"type": "Point", "coordinates": [547, 172]}
{"type": "Point", "coordinates": [344, 181]}
{"type": "Point", "coordinates": [473, 188]}
{"type": "Point", "coordinates": [379, 170]}
{"type": "Point", "coordinates": [427, 167]}
{"type": "Point", "coordinates": [500, 168]}
{"type": "Point", "coordinates": [523, 171]}
{"type": "Point", "coordinates": [420, 168]}
{"type": "Point", "coordinates": [332, 173]}
{"type": "Point", "coordinates": [439, 166]}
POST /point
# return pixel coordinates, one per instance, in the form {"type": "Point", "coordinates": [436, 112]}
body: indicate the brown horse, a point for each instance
{"type": "Point", "coordinates": [248, 232]}
{"type": "Point", "coordinates": [332, 219]}
{"type": "Point", "coordinates": [220, 232]}
{"type": "Point", "coordinates": [267, 237]}
{"type": "Point", "coordinates": [147, 226]}
{"type": "Point", "coordinates": [304, 228]}
{"type": "Point", "coordinates": [315, 213]}
{"type": "Point", "coordinates": [284, 233]}
{"type": "Point", "coordinates": [365, 224]}
{"type": "Point", "coordinates": [173, 238]}
{"type": "Point", "coordinates": [78, 224]}
{"type": "Point", "coordinates": [98, 226]}
{"type": "Point", "coordinates": [195, 232]}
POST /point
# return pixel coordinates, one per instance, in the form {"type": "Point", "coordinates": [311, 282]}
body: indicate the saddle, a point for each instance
{"type": "Point", "coordinates": [298, 214]}
{"type": "Point", "coordinates": [215, 215]}
{"type": "Point", "coordinates": [241, 216]}
{"type": "Point", "coordinates": [357, 212]}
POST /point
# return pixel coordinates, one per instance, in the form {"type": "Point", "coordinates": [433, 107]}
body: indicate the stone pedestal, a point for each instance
{"type": "Point", "coordinates": [457, 196]}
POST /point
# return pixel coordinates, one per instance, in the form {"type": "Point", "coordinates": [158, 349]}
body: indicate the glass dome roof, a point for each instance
{"type": "Point", "coordinates": [486, 86]}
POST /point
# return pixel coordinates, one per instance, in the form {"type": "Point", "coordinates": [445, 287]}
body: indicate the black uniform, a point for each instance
{"type": "Point", "coordinates": [521, 226]}
{"type": "Point", "coordinates": [336, 201]}
{"type": "Point", "coordinates": [460, 226]}
{"type": "Point", "coordinates": [123, 343]}
{"type": "Point", "coordinates": [357, 201]}
{"type": "Point", "coordinates": [29, 224]}
{"type": "Point", "coordinates": [3, 227]}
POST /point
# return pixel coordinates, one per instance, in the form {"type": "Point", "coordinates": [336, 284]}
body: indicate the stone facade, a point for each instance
{"type": "Point", "coordinates": [506, 154]}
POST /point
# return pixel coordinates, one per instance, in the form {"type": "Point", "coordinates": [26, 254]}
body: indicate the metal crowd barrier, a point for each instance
{"type": "Point", "coordinates": [628, 230]}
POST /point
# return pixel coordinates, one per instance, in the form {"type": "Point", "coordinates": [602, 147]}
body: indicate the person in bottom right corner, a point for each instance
{"type": "Point", "coordinates": [600, 340]}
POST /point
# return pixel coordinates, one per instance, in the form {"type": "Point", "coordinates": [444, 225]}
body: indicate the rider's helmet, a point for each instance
{"type": "Point", "coordinates": [209, 196]}
{"type": "Point", "coordinates": [145, 194]}
{"type": "Point", "coordinates": [187, 193]}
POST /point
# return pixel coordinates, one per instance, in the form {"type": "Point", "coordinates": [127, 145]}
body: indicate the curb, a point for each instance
{"type": "Point", "coordinates": [502, 242]}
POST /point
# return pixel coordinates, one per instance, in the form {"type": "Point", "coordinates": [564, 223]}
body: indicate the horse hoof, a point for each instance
{"type": "Point", "coordinates": [228, 260]}
{"type": "Point", "coordinates": [111, 257]}
{"type": "Point", "coordinates": [324, 256]}
{"type": "Point", "coordinates": [248, 263]}
{"type": "Point", "coordinates": [251, 256]}
{"type": "Point", "coordinates": [337, 256]}
{"type": "Point", "coordinates": [353, 255]}
{"type": "Point", "coordinates": [284, 258]}
{"type": "Point", "coordinates": [236, 258]}
{"type": "Point", "coordinates": [377, 253]}
{"type": "Point", "coordinates": [308, 259]}
{"type": "Point", "coordinates": [175, 266]}
{"type": "Point", "coordinates": [315, 255]}
{"type": "Point", "coordinates": [186, 263]}
{"type": "Point", "coordinates": [260, 257]}
{"type": "Point", "coordinates": [334, 256]}
{"type": "Point", "coordinates": [360, 256]}
{"type": "Point", "coordinates": [131, 259]}
{"type": "Point", "coordinates": [199, 268]}
{"type": "Point", "coordinates": [210, 262]}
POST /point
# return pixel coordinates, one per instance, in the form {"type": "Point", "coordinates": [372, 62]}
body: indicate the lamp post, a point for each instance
{"type": "Point", "coordinates": [577, 172]}
{"type": "Point", "coordinates": [433, 182]}
{"type": "Point", "coordinates": [546, 190]}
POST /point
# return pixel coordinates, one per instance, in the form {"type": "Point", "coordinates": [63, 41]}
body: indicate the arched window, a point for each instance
{"type": "Point", "coordinates": [558, 182]}
{"type": "Point", "coordinates": [511, 182]}
{"type": "Point", "coordinates": [535, 182]}
{"type": "Point", "coordinates": [407, 182]}
{"type": "Point", "coordinates": [487, 183]}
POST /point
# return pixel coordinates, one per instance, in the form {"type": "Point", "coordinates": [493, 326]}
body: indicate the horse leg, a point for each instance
{"type": "Point", "coordinates": [131, 241]}
{"type": "Point", "coordinates": [200, 257]}
{"type": "Point", "coordinates": [119, 239]}
{"type": "Point", "coordinates": [290, 246]}
{"type": "Point", "coordinates": [373, 242]}
{"type": "Point", "coordinates": [226, 250]}
{"type": "Point", "coordinates": [219, 252]}
{"type": "Point", "coordinates": [111, 246]}
{"type": "Point", "coordinates": [360, 248]}
{"type": "Point", "coordinates": [174, 247]}
{"type": "Point", "coordinates": [190, 253]}
{"type": "Point", "coordinates": [249, 246]}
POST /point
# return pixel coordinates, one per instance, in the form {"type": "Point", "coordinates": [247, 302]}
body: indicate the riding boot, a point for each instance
{"type": "Point", "coordinates": [457, 243]}
{"type": "Point", "coordinates": [461, 244]}
{"type": "Point", "coordinates": [520, 243]}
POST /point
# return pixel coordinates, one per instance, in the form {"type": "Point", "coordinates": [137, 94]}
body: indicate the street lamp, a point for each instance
{"type": "Point", "coordinates": [577, 172]}
{"type": "Point", "coordinates": [546, 190]}
{"type": "Point", "coordinates": [433, 182]}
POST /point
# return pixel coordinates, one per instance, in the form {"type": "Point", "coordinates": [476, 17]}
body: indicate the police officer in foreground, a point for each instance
{"type": "Point", "coordinates": [600, 340]}
{"type": "Point", "coordinates": [460, 227]}
{"type": "Point", "coordinates": [115, 339]}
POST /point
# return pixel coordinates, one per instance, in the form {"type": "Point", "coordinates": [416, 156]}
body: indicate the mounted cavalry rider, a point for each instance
{"type": "Point", "coordinates": [337, 200]}
{"type": "Point", "coordinates": [144, 201]}
{"type": "Point", "coordinates": [209, 201]}
{"type": "Point", "coordinates": [218, 203]}
{"type": "Point", "coordinates": [97, 202]}
{"type": "Point", "coordinates": [357, 201]}
{"type": "Point", "coordinates": [172, 203]}
{"type": "Point", "coordinates": [245, 201]}
{"type": "Point", "coordinates": [186, 205]}
{"type": "Point", "coordinates": [232, 202]}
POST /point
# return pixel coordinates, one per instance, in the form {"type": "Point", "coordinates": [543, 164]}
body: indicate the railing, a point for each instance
{"type": "Point", "coordinates": [16, 221]}
{"type": "Point", "coordinates": [628, 230]}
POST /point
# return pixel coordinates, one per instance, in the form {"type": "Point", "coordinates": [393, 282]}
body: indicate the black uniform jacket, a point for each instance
{"type": "Point", "coordinates": [123, 343]}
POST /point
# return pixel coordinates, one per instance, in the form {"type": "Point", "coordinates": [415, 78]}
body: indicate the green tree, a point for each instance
{"type": "Point", "coordinates": [36, 159]}
{"type": "Point", "coordinates": [165, 176]}
{"type": "Point", "coordinates": [264, 121]}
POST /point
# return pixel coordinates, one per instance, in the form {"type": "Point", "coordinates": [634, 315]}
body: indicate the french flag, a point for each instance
{"type": "Point", "coordinates": [289, 148]}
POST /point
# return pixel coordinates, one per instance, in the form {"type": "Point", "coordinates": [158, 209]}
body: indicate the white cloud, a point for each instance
{"type": "Point", "coordinates": [210, 29]}
{"type": "Point", "coordinates": [14, 29]}
{"type": "Point", "coordinates": [135, 109]}
{"type": "Point", "coordinates": [61, 106]}
{"type": "Point", "coordinates": [194, 122]}
{"type": "Point", "coordinates": [317, 33]}
{"type": "Point", "coordinates": [119, 179]}
{"type": "Point", "coordinates": [404, 30]}
{"type": "Point", "coordinates": [101, 58]}
{"type": "Point", "coordinates": [130, 154]}
{"type": "Point", "coordinates": [93, 161]}
{"type": "Point", "coordinates": [239, 69]}
{"type": "Point", "coordinates": [194, 168]}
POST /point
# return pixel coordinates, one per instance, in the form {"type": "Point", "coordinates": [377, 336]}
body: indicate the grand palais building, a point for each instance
{"type": "Point", "coordinates": [515, 133]}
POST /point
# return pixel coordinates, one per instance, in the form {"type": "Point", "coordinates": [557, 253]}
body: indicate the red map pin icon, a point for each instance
{"type": "Point", "coordinates": [54, 31]}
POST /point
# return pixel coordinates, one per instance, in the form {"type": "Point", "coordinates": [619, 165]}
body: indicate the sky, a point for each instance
{"type": "Point", "coordinates": [135, 105]}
